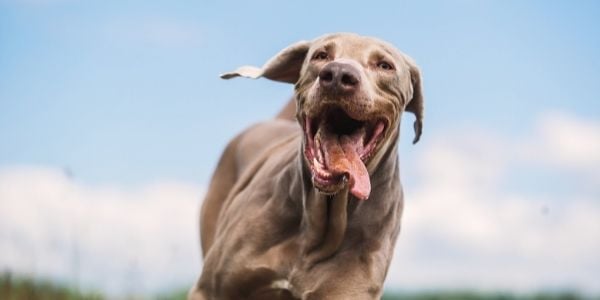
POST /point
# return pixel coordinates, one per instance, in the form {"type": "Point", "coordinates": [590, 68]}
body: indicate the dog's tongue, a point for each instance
{"type": "Point", "coordinates": [342, 157]}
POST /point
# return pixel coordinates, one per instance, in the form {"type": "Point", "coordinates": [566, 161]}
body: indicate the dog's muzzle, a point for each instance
{"type": "Point", "coordinates": [339, 79]}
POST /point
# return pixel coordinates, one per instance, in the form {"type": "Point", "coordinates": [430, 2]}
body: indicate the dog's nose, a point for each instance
{"type": "Point", "coordinates": [337, 76]}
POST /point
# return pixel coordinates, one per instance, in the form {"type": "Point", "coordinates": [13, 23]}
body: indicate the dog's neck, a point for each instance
{"type": "Point", "coordinates": [325, 218]}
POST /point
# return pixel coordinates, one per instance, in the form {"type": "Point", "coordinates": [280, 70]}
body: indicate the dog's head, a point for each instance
{"type": "Point", "coordinates": [351, 91]}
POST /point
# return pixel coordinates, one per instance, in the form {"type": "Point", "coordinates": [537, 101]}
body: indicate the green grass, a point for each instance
{"type": "Point", "coordinates": [24, 288]}
{"type": "Point", "coordinates": [470, 295]}
{"type": "Point", "coordinates": [173, 295]}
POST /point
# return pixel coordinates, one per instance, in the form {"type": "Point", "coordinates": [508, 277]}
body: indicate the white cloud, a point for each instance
{"type": "Point", "coordinates": [121, 240]}
{"type": "Point", "coordinates": [463, 227]}
{"type": "Point", "coordinates": [565, 142]}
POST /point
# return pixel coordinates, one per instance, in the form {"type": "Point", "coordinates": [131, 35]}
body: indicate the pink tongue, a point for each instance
{"type": "Point", "coordinates": [341, 157]}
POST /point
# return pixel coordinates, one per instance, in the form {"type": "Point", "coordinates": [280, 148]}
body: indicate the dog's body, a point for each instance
{"type": "Point", "coordinates": [313, 211]}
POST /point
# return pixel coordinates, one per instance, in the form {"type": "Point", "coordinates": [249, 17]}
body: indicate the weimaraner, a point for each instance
{"type": "Point", "coordinates": [313, 211]}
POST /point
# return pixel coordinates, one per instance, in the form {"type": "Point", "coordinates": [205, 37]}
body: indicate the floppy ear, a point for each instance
{"type": "Point", "coordinates": [415, 105]}
{"type": "Point", "coordinates": [284, 67]}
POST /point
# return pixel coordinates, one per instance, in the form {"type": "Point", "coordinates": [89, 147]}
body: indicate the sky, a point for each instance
{"type": "Point", "coordinates": [112, 118]}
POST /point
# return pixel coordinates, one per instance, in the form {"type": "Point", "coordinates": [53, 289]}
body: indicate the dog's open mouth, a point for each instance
{"type": "Point", "coordinates": [338, 148]}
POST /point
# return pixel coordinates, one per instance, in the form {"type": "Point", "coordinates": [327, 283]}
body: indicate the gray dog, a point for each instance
{"type": "Point", "coordinates": [313, 211]}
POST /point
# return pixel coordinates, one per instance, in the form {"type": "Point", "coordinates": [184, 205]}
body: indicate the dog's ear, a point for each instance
{"type": "Point", "coordinates": [415, 105]}
{"type": "Point", "coordinates": [284, 67]}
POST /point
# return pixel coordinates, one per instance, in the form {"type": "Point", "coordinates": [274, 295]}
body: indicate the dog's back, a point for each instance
{"type": "Point", "coordinates": [241, 152]}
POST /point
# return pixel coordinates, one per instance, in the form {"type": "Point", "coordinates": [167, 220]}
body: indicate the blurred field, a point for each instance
{"type": "Point", "coordinates": [22, 288]}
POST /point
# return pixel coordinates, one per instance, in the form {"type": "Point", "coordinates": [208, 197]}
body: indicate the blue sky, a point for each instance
{"type": "Point", "coordinates": [125, 94]}
{"type": "Point", "coordinates": [128, 91]}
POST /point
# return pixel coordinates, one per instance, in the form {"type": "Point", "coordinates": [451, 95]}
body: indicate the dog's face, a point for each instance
{"type": "Point", "coordinates": [351, 91]}
{"type": "Point", "coordinates": [350, 96]}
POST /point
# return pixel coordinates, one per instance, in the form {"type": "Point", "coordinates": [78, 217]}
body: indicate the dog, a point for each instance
{"type": "Point", "coordinates": [308, 205]}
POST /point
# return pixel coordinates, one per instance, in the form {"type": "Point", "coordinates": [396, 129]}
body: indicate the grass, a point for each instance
{"type": "Point", "coordinates": [23, 288]}
{"type": "Point", "coordinates": [471, 295]}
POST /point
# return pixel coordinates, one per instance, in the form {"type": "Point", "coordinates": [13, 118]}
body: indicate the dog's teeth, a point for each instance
{"type": "Point", "coordinates": [322, 173]}
{"type": "Point", "coordinates": [318, 150]}
{"type": "Point", "coordinates": [317, 163]}
{"type": "Point", "coordinates": [320, 155]}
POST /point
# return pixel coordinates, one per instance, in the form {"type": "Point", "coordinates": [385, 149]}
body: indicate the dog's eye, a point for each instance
{"type": "Point", "coordinates": [321, 55]}
{"type": "Point", "coordinates": [385, 66]}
